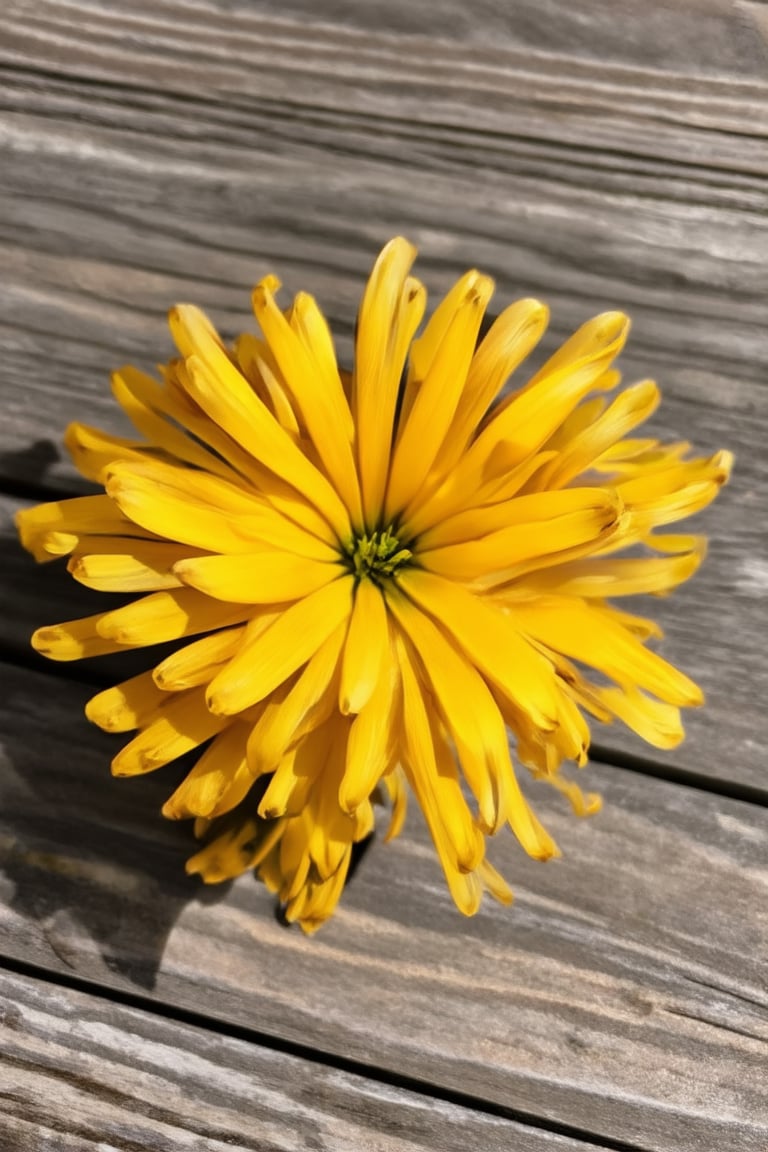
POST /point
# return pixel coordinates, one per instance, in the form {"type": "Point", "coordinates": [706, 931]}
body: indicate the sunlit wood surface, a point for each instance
{"type": "Point", "coordinates": [600, 155]}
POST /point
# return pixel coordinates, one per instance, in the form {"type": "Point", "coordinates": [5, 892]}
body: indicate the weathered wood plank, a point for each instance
{"type": "Point", "coordinates": [624, 994]}
{"type": "Point", "coordinates": [180, 151]}
{"type": "Point", "coordinates": [80, 1072]}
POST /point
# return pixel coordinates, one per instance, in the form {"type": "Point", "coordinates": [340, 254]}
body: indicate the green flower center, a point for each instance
{"type": "Point", "coordinates": [377, 556]}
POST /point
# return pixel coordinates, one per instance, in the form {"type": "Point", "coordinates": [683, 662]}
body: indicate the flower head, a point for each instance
{"type": "Point", "coordinates": [376, 577]}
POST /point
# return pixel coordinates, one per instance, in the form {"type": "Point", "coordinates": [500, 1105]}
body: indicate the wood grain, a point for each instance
{"type": "Point", "coordinates": [79, 1072]}
{"type": "Point", "coordinates": [624, 993]}
{"type": "Point", "coordinates": [181, 151]}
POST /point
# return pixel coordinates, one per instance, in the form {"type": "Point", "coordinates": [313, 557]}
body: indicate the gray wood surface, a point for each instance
{"type": "Point", "coordinates": [80, 1073]}
{"type": "Point", "coordinates": [600, 155]}
{"type": "Point", "coordinates": [624, 993]}
{"type": "Point", "coordinates": [180, 151]}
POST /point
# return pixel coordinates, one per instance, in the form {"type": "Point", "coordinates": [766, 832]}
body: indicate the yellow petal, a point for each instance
{"type": "Point", "coordinates": [467, 709]}
{"type": "Point", "coordinates": [257, 578]}
{"type": "Point", "coordinates": [476, 726]}
{"type": "Point", "coordinates": [259, 365]}
{"type": "Point", "coordinates": [142, 399]}
{"type": "Point", "coordinates": [466, 890]}
{"type": "Point", "coordinates": [390, 312]}
{"type": "Point", "coordinates": [222, 391]}
{"type": "Point", "coordinates": [570, 738]}
{"type": "Point", "coordinates": [53, 545]}
{"type": "Point", "coordinates": [370, 746]}
{"type": "Point", "coordinates": [303, 349]}
{"type": "Point", "coordinates": [659, 724]}
{"type": "Point", "coordinates": [632, 407]}
{"type": "Point", "coordinates": [180, 405]}
{"type": "Point", "coordinates": [126, 706]}
{"type": "Point", "coordinates": [423, 429]}
{"type": "Point", "coordinates": [312, 906]}
{"type": "Point", "coordinates": [494, 883]}
{"type": "Point", "coordinates": [581, 418]}
{"type": "Point", "coordinates": [332, 829]}
{"type": "Point", "coordinates": [490, 640]}
{"type": "Point", "coordinates": [597, 637]}
{"type": "Point", "coordinates": [627, 455]}
{"type": "Point", "coordinates": [219, 780]}
{"type": "Point", "coordinates": [514, 333]}
{"type": "Point", "coordinates": [278, 493]}
{"type": "Point", "coordinates": [433, 776]}
{"type": "Point", "coordinates": [245, 846]}
{"type": "Point", "coordinates": [294, 855]}
{"type": "Point", "coordinates": [180, 724]}
{"type": "Point", "coordinates": [569, 520]}
{"type": "Point", "coordinates": [259, 433]}
{"type": "Point", "coordinates": [582, 803]}
{"type": "Point", "coordinates": [366, 648]}
{"type": "Point", "coordinates": [608, 578]}
{"type": "Point", "coordinates": [191, 507]}
{"type": "Point", "coordinates": [287, 790]}
{"type": "Point", "coordinates": [261, 665]}
{"type": "Point", "coordinates": [198, 663]}
{"type": "Point", "coordinates": [170, 615]}
{"type": "Point", "coordinates": [525, 421]}
{"type": "Point", "coordinates": [426, 346]}
{"type": "Point", "coordinates": [124, 565]}
{"type": "Point", "coordinates": [537, 512]}
{"type": "Point", "coordinates": [663, 495]}
{"type": "Point", "coordinates": [596, 343]}
{"type": "Point", "coordinates": [312, 698]}
{"type": "Point", "coordinates": [93, 450]}
{"type": "Point", "coordinates": [396, 785]}
{"type": "Point", "coordinates": [92, 515]}
{"type": "Point", "coordinates": [673, 543]}
{"type": "Point", "coordinates": [457, 509]}
{"type": "Point", "coordinates": [74, 640]}
{"type": "Point", "coordinates": [639, 626]}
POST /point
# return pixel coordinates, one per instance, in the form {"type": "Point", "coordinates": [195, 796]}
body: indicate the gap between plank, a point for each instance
{"type": "Point", "coordinates": [274, 1043]}
{"type": "Point", "coordinates": [686, 777]}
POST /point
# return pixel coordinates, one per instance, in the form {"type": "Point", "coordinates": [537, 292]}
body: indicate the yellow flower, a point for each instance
{"type": "Point", "coordinates": [387, 573]}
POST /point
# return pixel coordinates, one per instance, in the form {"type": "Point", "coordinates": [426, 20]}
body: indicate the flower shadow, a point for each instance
{"type": "Point", "coordinates": [93, 877]}
{"type": "Point", "coordinates": [31, 463]}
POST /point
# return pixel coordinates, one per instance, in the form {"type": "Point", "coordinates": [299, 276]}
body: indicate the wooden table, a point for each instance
{"type": "Point", "coordinates": [600, 155]}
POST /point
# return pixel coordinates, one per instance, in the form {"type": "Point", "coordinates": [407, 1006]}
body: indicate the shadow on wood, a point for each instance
{"type": "Point", "coordinates": [82, 847]}
{"type": "Point", "coordinates": [30, 464]}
